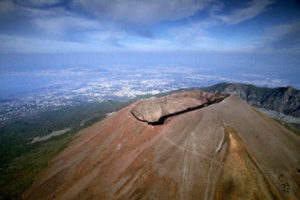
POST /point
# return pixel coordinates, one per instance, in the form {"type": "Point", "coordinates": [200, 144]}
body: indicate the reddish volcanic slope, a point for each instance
{"type": "Point", "coordinates": [224, 150]}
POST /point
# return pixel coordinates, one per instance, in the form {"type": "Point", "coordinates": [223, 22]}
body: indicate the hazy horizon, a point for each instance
{"type": "Point", "coordinates": [254, 41]}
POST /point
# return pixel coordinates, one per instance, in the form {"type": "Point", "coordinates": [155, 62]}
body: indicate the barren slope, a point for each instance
{"type": "Point", "coordinates": [226, 150]}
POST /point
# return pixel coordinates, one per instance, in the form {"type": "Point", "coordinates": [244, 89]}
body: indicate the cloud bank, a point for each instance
{"type": "Point", "coordinates": [147, 25]}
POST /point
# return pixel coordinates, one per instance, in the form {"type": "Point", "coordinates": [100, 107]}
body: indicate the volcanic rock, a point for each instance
{"type": "Point", "coordinates": [283, 99]}
{"type": "Point", "coordinates": [154, 110]}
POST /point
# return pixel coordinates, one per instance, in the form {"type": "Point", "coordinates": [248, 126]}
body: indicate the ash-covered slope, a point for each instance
{"type": "Point", "coordinates": [226, 150]}
{"type": "Point", "coordinates": [283, 99]}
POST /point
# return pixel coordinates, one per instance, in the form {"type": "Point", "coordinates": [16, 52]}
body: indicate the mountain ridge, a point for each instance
{"type": "Point", "coordinates": [282, 99]}
{"type": "Point", "coordinates": [224, 150]}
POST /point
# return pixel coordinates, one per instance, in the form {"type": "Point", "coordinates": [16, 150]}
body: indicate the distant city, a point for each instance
{"type": "Point", "coordinates": [55, 88]}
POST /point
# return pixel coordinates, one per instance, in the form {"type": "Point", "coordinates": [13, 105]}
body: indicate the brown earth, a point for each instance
{"type": "Point", "coordinates": [227, 150]}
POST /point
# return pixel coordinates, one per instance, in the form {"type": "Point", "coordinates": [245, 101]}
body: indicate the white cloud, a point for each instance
{"type": "Point", "coordinates": [281, 38]}
{"type": "Point", "coordinates": [193, 36]}
{"type": "Point", "coordinates": [143, 11]}
{"type": "Point", "coordinates": [144, 44]}
{"type": "Point", "coordinates": [61, 24]}
{"type": "Point", "coordinates": [253, 9]}
{"type": "Point", "coordinates": [58, 26]}
{"type": "Point", "coordinates": [22, 44]}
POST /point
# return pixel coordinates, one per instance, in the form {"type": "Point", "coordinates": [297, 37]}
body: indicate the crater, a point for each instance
{"type": "Point", "coordinates": [155, 111]}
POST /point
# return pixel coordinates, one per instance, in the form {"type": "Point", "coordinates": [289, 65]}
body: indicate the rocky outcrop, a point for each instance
{"type": "Point", "coordinates": [155, 110]}
{"type": "Point", "coordinates": [283, 99]}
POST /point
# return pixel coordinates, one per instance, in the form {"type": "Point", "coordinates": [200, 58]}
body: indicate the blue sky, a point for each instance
{"type": "Point", "coordinates": [252, 37]}
{"type": "Point", "coordinates": [68, 26]}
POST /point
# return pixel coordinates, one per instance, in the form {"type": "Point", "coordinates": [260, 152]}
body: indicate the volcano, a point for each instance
{"type": "Point", "coordinates": [188, 145]}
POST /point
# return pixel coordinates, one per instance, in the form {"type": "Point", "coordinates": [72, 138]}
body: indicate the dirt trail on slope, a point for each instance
{"type": "Point", "coordinates": [226, 150]}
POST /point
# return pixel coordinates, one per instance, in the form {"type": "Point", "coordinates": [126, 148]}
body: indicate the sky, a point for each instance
{"type": "Point", "coordinates": [60, 26]}
{"type": "Point", "coordinates": [255, 34]}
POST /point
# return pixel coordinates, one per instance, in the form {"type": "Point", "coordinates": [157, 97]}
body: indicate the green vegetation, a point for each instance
{"type": "Point", "coordinates": [18, 175]}
{"type": "Point", "coordinates": [20, 161]}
